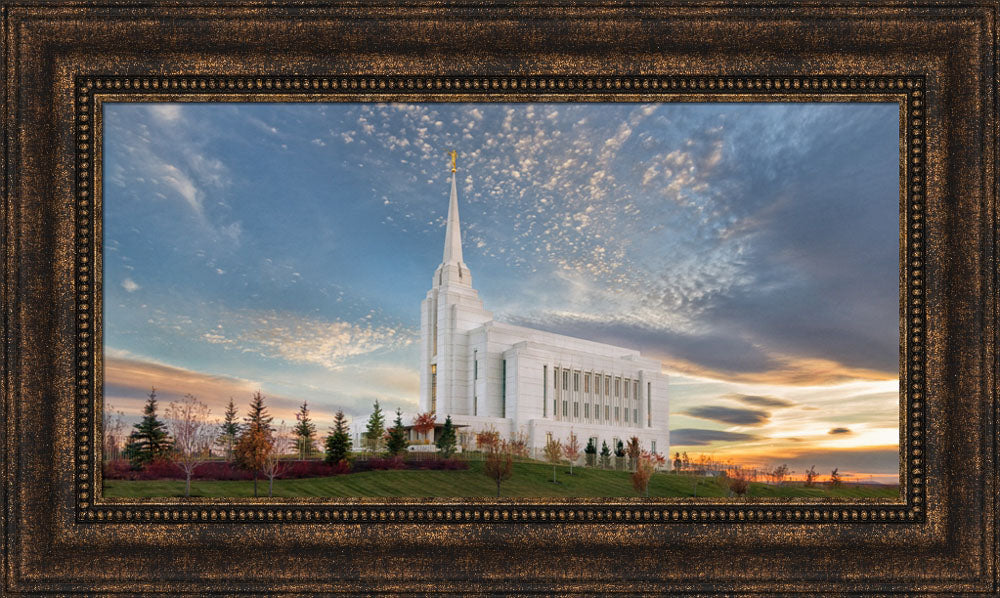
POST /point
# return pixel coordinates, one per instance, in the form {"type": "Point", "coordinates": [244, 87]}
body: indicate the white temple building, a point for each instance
{"type": "Point", "coordinates": [485, 373]}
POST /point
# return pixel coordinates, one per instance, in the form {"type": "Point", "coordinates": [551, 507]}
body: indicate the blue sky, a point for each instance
{"type": "Point", "coordinates": [751, 247]}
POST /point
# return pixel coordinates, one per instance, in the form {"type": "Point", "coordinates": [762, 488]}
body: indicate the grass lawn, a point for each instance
{"type": "Point", "coordinates": [529, 480]}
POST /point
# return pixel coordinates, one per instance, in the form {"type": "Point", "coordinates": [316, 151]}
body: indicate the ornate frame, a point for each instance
{"type": "Point", "coordinates": [61, 61]}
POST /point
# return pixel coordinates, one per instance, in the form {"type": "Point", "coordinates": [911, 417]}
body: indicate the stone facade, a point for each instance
{"type": "Point", "coordinates": [485, 373]}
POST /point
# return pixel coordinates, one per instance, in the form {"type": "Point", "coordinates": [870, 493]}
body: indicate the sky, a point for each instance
{"type": "Point", "coordinates": [751, 247]}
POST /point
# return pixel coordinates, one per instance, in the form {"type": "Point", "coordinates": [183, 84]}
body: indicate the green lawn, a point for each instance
{"type": "Point", "coordinates": [529, 480]}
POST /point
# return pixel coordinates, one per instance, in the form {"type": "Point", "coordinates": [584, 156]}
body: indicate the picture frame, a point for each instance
{"type": "Point", "coordinates": [61, 60]}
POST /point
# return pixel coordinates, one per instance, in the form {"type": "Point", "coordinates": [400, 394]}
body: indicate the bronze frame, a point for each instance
{"type": "Point", "coordinates": [60, 60]}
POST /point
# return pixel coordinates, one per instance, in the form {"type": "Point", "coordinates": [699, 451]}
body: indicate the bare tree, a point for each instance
{"type": "Point", "coordinates": [779, 473]}
{"type": "Point", "coordinates": [187, 420]}
{"type": "Point", "coordinates": [281, 444]}
{"type": "Point", "coordinates": [835, 479]}
{"type": "Point", "coordinates": [499, 463]}
{"type": "Point", "coordinates": [811, 476]}
{"type": "Point", "coordinates": [114, 432]}
{"type": "Point", "coordinates": [572, 450]}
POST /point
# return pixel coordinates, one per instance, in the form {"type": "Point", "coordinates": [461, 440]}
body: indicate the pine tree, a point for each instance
{"type": "Point", "coordinates": [229, 430]}
{"type": "Point", "coordinates": [398, 441]}
{"type": "Point", "coordinates": [149, 440]}
{"type": "Point", "coordinates": [305, 432]}
{"type": "Point", "coordinates": [605, 455]}
{"type": "Point", "coordinates": [447, 441]}
{"type": "Point", "coordinates": [338, 443]}
{"type": "Point", "coordinates": [591, 452]}
{"type": "Point", "coordinates": [376, 429]}
{"type": "Point", "coordinates": [257, 417]}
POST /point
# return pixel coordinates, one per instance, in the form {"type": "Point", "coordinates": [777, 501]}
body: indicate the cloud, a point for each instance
{"type": "Point", "coordinates": [760, 401]}
{"type": "Point", "coordinates": [130, 285]}
{"type": "Point", "coordinates": [701, 437]}
{"type": "Point", "coordinates": [166, 112]}
{"type": "Point", "coordinates": [839, 431]}
{"type": "Point", "coordinates": [730, 415]}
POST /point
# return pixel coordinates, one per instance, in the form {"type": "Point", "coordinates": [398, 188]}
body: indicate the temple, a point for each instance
{"type": "Point", "coordinates": [518, 380]}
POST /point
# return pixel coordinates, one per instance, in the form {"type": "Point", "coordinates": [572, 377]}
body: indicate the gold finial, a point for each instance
{"type": "Point", "coordinates": [453, 155]}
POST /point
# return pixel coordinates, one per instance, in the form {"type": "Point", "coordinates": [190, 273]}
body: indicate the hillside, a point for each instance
{"type": "Point", "coordinates": [529, 480]}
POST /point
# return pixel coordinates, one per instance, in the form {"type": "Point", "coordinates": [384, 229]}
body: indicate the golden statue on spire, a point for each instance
{"type": "Point", "coordinates": [453, 155]}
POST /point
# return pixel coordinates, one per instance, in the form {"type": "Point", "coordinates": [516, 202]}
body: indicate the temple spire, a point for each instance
{"type": "Point", "coordinates": [453, 233]}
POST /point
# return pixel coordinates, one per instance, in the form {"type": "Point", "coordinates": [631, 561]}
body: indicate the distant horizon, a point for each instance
{"type": "Point", "coordinates": [751, 248]}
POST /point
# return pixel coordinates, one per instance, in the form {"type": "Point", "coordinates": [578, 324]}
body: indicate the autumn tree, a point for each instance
{"type": "Point", "coordinates": [114, 432]}
{"type": "Point", "coordinates": [811, 477]}
{"type": "Point", "coordinates": [187, 420]}
{"type": "Point", "coordinates": [605, 455]}
{"type": "Point", "coordinates": [424, 423]}
{"type": "Point", "coordinates": [591, 452]}
{"type": "Point", "coordinates": [678, 464]}
{"type": "Point", "coordinates": [572, 450]}
{"type": "Point", "coordinates": [553, 454]}
{"type": "Point", "coordinates": [256, 441]}
{"type": "Point", "coordinates": [398, 441]}
{"type": "Point", "coordinates": [499, 464]}
{"type": "Point", "coordinates": [375, 431]}
{"type": "Point", "coordinates": [646, 464]}
{"type": "Point", "coordinates": [229, 430]}
{"type": "Point", "coordinates": [633, 451]}
{"type": "Point", "coordinates": [835, 480]}
{"type": "Point", "coordinates": [487, 439]}
{"type": "Point", "coordinates": [149, 440]}
{"type": "Point", "coordinates": [338, 443]}
{"type": "Point", "coordinates": [447, 442]}
{"type": "Point", "coordinates": [273, 466]}
{"type": "Point", "coordinates": [737, 482]}
{"type": "Point", "coordinates": [305, 432]}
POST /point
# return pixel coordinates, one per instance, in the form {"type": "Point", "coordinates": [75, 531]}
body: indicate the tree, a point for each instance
{"type": "Point", "coordinates": [835, 480]}
{"type": "Point", "coordinates": [256, 442]}
{"type": "Point", "coordinates": [338, 443]}
{"type": "Point", "coordinates": [619, 455]}
{"type": "Point", "coordinates": [645, 465]}
{"type": "Point", "coordinates": [257, 416]}
{"type": "Point", "coordinates": [487, 439]}
{"type": "Point", "coordinates": [678, 464]}
{"type": "Point", "coordinates": [375, 430]}
{"type": "Point", "coordinates": [229, 430]}
{"type": "Point", "coordinates": [273, 466]}
{"type": "Point", "coordinates": [305, 432]}
{"type": "Point", "coordinates": [113, 430]}
{"type": "Point", "coordinates": [779, 473]}
{"type": "Point", "coordinates": [424, 423]}
{"type": "Point", "coordinates": [811, 476]}
{"type": "Point", "coordinates": [737, 481]}
{"type": "Point", "coordinates": [150, 439]}
{"type": "Point", "coordinates": [634, 452]}
{"type": "Point", "coordinates": [553, 454]}
{"type": "Point", "coordinates": [252, 451]}
{"type": "Point", "coordinates": [605, 455]}
{"type": "Point", "coordinates": [398, 441]}
{"type": "Point", "coordinates": [572, 450]}
{"type": "Point", "coordinates": [187, 420]}
{"type": "Point", "coordinates": [499, 464]}
{"type": "Point", "coordinates": [447, 442]}
{"type": "Point", "coordinates": [591, 452]}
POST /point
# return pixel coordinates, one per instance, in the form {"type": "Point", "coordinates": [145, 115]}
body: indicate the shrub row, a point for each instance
{"type": "Point", "coordinates": [163, 469]}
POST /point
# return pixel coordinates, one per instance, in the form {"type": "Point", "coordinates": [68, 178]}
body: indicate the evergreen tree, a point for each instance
{"type": "Point", "coordinates": [591, 453]}
{"type": "Point", "coordinates": [305, 432]}
{"type": "Point", "coordinates": [398, 441]}
{"type": "Point", "coordinates": [149, 440]}
{"type": "Point", "coordinates": [229, 430]}
{"type": "Point", "coordinates": [257, 417]}
{"type": "Point", "coordinates": [605, 455]}
{"type": "Point", "coordinates": [376, 429]}
{"type": "Point", "coordinates": [447, 441]}
{"type": "Point", "coordinates": [338, 443]}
